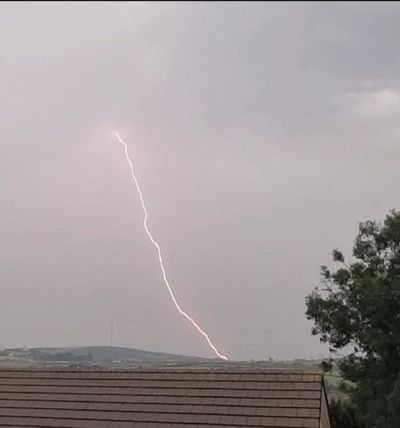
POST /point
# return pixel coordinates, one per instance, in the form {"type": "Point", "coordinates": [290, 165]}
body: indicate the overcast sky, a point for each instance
{"type": "Point", "coordinates": [261, 134]}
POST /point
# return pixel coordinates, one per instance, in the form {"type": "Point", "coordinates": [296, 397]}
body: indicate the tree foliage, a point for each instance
{"type": "Point", "coordinates": [343, 415]}
{"type": "Point", "coordinates": [357, 310]}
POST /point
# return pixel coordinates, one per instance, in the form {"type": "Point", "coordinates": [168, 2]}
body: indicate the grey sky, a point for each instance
{"type": "Point", "coordinates": [262, 133]}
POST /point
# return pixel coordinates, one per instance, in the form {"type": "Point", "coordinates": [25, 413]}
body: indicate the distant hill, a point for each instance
{"type": "Point", "coordinates": [121, 357]}
{"type": "Point", "coordinates": [97, 354]}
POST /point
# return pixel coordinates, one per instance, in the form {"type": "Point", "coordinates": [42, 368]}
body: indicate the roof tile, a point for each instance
{"type": "Point", "coordinates": [159, 398]}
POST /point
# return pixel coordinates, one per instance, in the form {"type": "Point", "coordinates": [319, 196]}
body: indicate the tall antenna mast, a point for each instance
{"type": "Point", "coordinates": [111, 331]}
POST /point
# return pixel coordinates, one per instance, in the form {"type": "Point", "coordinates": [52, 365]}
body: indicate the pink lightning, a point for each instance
{"type": "Point", "coordinates": [160, 259]}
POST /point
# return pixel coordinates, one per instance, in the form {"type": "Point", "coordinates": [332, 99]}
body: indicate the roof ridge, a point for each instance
{"type": "Point", "coordinates": [162, 370]}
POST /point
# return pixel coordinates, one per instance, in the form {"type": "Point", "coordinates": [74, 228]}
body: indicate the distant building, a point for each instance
{"type": "Point", "coordinates": [164, 398]}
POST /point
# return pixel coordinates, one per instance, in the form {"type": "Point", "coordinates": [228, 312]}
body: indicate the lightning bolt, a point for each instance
{"type": "Point", "coordinates": [160, 259]}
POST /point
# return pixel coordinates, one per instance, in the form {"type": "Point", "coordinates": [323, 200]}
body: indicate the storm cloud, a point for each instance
{"type": "Point", "coordinates": [262, 133]}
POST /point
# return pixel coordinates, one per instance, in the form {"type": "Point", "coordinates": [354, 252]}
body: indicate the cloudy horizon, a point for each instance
{"type": "Point", "coordinates": [262, 134]}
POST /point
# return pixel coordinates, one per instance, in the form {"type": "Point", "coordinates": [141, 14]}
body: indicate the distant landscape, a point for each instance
{"type": "Point", "coordinates": [116, 357]}
{"type": "Point", "coordinates": [86, 356]}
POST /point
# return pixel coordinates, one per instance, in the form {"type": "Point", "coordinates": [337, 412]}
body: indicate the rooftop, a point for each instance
{"type": "Point", "coordinates": [162, 398]}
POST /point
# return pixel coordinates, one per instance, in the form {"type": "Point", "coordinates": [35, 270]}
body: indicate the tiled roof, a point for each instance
{"type": "Point", "coordinates": [159, 399]}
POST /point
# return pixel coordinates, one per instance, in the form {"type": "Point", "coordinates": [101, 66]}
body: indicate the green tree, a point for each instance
{"type": "Point", "coordinates": [356, 310]}
{"type": "Point", "coordinates": [343, 415]}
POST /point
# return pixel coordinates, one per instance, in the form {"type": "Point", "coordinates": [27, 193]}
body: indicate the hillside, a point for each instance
{"type": "Point", "coordinates": [104, 356]}
{"type": "Point", "coordinates": [111, 353]}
